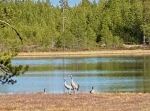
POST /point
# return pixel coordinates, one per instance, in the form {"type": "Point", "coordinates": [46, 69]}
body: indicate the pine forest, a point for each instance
{"type": "Point", "coordinates": [85, 26]}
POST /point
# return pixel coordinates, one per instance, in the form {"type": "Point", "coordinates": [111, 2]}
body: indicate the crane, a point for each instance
{"type": "Point", "coordinates": [92, 91]}
{"type": "Point", "coordinates": [74, 85]}
{"type": "Point", "coordinates": [42, 92]}
{"type": "Point", "coordinates": [68, 87]}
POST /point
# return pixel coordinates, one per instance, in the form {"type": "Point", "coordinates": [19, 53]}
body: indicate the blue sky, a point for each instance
{"type": "Point", "coordinates": [71, 2]}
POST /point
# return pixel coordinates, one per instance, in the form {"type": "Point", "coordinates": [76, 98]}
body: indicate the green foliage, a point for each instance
{"type": "Point", "coordinates": [9, 71]}
{"type": "Point", "coordinates": [146, 19]}
{"type": "Point", "coordinates": [86, 25]}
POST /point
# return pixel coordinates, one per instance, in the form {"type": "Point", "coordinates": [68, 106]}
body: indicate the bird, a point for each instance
{"type": "Point", "coordinates": [92, 91]}
{"type": "Point", "coordinates": [12, 81]}
{"type": "Point", "coordinates": [42, 92]}
{"type": "Point", "coordinates": [74, 85]}
{"type": "Point", "coordinates": [68, 87]}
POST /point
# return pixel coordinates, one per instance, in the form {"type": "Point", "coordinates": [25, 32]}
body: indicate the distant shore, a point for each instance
{"type": "Point", "coordinates": [138, 52]}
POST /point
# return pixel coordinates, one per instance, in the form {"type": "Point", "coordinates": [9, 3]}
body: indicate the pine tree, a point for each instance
{"type": "Point", "coordinates": [8, 70]}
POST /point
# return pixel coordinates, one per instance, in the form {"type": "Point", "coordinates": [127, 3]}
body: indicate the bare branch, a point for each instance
{"type": "Point", "coordinates": [13, 29]}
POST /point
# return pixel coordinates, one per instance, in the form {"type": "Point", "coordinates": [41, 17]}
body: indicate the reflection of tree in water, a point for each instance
{"type": "Point", "coordinates": [146, 74]}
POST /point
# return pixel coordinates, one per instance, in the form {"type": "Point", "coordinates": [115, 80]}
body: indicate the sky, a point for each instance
{"type": "Point", "coordinates": [70, 2]}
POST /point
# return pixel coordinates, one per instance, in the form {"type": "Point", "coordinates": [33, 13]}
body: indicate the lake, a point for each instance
{"type": "Point", "coordinates": [107, 74]}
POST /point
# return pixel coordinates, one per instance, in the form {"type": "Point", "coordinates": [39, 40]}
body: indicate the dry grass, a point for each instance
{"type": "Point", "coordinates": [76, 102]}
{"type": "Point", "coordinates": [138, 52]}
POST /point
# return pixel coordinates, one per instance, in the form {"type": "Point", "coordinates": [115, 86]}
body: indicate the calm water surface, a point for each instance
{"type": "Point", "coordinates": [107, 74]}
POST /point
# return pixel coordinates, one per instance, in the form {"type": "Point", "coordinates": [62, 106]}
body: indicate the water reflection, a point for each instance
{"type": "Point", "coordinates": [107, 74]}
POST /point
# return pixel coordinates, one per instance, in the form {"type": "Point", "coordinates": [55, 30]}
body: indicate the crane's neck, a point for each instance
{"type": "Point", "coordinates": [44, 89]}
{"type": "Point", "coordinates": [71, 79]}
{"type": "Point", "coordinates": [65, 83]}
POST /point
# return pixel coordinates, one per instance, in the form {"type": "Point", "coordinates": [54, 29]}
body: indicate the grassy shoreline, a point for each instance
{"type": "Point", "coordinates": [138, 52]}
{"type": "Point", "coordinates": [80, 101]}
{"type": "Point", "coordinates": [76, 102]}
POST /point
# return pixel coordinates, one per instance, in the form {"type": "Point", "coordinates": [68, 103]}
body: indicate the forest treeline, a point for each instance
{"type": "Point", "coordinates": [86, 26]}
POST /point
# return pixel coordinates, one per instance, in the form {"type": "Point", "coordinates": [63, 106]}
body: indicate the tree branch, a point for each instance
{"type": "Point", "coordinates": [13, 29]}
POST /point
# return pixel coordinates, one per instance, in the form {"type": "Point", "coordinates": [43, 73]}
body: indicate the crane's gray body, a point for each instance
{"type": "Point", "coordinates": [74, 85]}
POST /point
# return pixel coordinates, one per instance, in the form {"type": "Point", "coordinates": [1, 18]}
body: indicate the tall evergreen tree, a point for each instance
{"type": "Point", "coordinates": [40, 23]}
{"type": "Point", "coordinates": [146, 20]}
